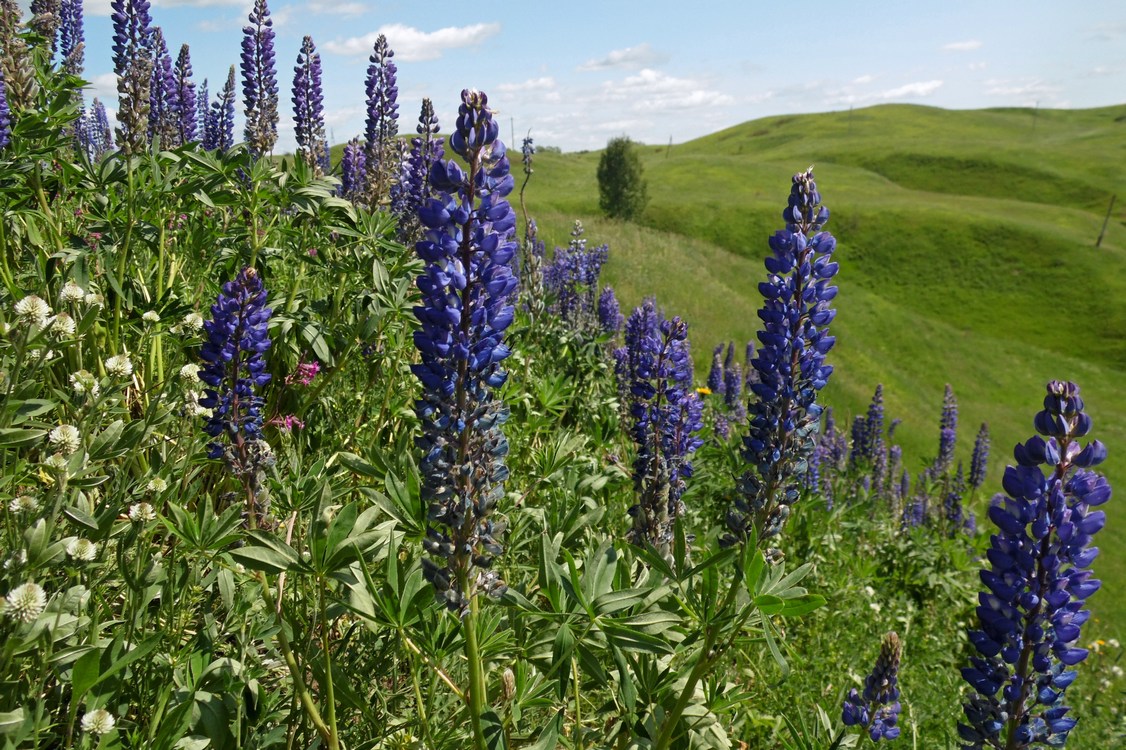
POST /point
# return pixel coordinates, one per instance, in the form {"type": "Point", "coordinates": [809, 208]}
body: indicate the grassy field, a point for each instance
{"type": "Point", "coordinates": [967, 250]}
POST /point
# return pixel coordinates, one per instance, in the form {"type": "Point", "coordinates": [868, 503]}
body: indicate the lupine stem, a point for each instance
{"type": "Point", "coordinates": [476, 696]}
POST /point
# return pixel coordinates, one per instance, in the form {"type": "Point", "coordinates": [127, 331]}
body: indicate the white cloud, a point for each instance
{"type": "Point", "coordinates": [200, 3]}
{"type": "Point", "coordinates": [848, 95]}
{"type": "Point", "coordinates": [532, 84]}
{"type": "Point", "coordinates": [630, 58]}
{"type": "Point", "coordinates": [103, 86]}
{"type": "Point", "coordinates": [96, 7]}
{"type": "Point", "coordinates": [911, 90]}
{"type": "Point", "coordinates": [978, 66]}
{"type": "Point", "coordinates": [411, 44]}
{"type": "Point", "coordinates": [967, 46]}
{"type": "Point", "coordinates": [338, 8]}
{"type": "Point", "coordinates": [1103, 70]}
{"type": "Point", "coordinates": [652, 91]}
{"type": "Point", "coordinates": [1108, 31]}
{"type": "Point", "coordinates": [862, 80]}
{"type": "Point", "coordinates": [1024, 89]}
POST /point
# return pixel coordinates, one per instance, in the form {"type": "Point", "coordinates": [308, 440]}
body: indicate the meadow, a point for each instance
{"type": "Point", "coordinates": [353, 448]}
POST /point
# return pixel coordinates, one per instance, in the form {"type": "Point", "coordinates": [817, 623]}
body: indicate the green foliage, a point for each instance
{"type": "Point", "coordinates": [622, 190]}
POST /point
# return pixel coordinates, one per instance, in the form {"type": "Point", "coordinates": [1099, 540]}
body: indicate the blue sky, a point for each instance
{"type": "Point", "coordinates": [577, 72]}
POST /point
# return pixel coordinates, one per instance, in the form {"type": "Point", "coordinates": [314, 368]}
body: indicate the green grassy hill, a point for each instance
{"type": "Point", "coordinates": [966, 243]}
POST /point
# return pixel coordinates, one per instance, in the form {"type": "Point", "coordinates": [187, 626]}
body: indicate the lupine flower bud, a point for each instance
{"type": "Point", "coordinates": [1037, 584]}
{"type": "Point", "coordinates": [791, 365]}
{"type": "Point", "coordinates": [877, 710]}
{"type": "Point", "coordinates": [260, 80]}
{"type": "Point", "coordinates": [465, 285]}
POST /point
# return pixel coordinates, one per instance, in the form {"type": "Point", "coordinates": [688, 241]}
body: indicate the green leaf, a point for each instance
{"type": "Point", "coordinates": [267, 559]}
{"type": "Point", "coordinates": [84, 674]}
{"type": "Point", "coordinates": [10, 721]}
{"type": "Point", "coordinates": [16, 437]}
{"type": "Point", "coordinates": [769, 604]}
{"type": "Point", "coordinates": [802, 605]}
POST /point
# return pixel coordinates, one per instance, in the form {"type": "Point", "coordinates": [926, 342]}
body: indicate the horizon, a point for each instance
{"type": "Point", "coordinates": [605, 70]}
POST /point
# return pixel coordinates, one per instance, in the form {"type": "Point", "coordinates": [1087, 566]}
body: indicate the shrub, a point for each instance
{"type": "Point", "coordinates": [622, 192]}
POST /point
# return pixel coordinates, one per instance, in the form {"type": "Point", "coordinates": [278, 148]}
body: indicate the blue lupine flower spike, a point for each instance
{"type": "Point", "coordinates": [876, 711]}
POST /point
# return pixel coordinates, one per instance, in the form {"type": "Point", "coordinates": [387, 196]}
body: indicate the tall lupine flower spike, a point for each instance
{"type": "Point", "coordinates": [5, 115]}
{"type": "Point", "coordinates": [413, 188]}
{"type": "Point", "coordinates": [45, 18]}
{"type": "Point", "coordinates": [382, 122]}
{"type": "Point", "coordinates": [733, 387]}
{"type": "Point", "coordinates": [868, 434]}
{"type": "Point", "coordinates": [715, 381]}
{"type": "Point", "coordinates": [133, 63]}
{"type": "Point", "coordinates": [352, 171]}
{"type": "Point", "coordinates": [1037, 584]}
{"type": "Point", "coordinates": [97, 136]}
{"type": "Point", "coordinates": [947, 433]}
{"type": "Point", "coordinates": [877, 710]}
{"type": "Point", "coordinates": [667, 415]}
{"type": "Point", "coordinates": [790, 364]}
{"type": "Point", "coordinates": [234, 368]}
{"type": "Point", "coordinates": [186, 120]}
{"type": "Point", "coordinates": [260, 80]}
{"type": "Point", "coordinates": [979, 459]}
{"type": "Point", "coordinates": [164, 103]}
{"type": "Point", "coordinates": [572, 280]}
{"type": "Point", "coordinates": [220, 131]}
{"type": "Point", "coordinates": [610, 318]}
{"type": "Point", "coordinates": [72, 46]}
{"type": "Point", "coordinates": [203, 103]}
{"type": "Point", "coordinates": [308, 105]}
{"type": "Point", "coordinates": [465, 310]}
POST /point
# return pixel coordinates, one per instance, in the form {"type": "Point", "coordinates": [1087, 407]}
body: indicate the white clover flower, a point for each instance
{"type": "Point", "coordinates": [99, 721]}
{"type": "Point", "coordinates": [36, 355]}
{"type": "Point", "coordinates": [26, 602]}
{"type": "Point", "coordinates": [33, 310]}
{"type": "Point", "coordinates": [84, 382]}
{"type": "Point", "coordinates": [193, 321]}
{"type": "Point", "coordinates": [82, 550]}
{"type": "Point", "coordinates": [141, 512]}
{"type": "Point", "coordinates": [71, 292]}
{"type": "Point", "coordinates": [57, 462]}
{"type": "Point", "coordinates": [1113, 643]}
{"type": "Point", "coordinates": [119, 366]}
{"type": "Point", "coordinates": [192, 407]}
{"type": "Point", "coordinates": [94, 300]}
{"type": "Point", "coordinates": [190, 372]}
{"type": "Point", "coordinates": [63, 325]}
{"type": "Point", "coordinates": [151, 316]}
{"type": "Point", "coordinates": [24, 504]}
{"type": "Point", "coordinates": [65, 438]}
{"type": "Point", "coordinates": [156, 484]}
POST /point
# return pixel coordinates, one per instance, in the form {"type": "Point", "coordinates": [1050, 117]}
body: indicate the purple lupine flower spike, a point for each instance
{"type": "Point", "coordinates": [5, 115]}
{"type": "Point", "coordinates": [667, 416]}
{"type": "Point", "coordinates": [572, 280]}
{"type": "Point", "coordinates": [164, 104]}
{"type": "Point", "coordinates": [382, 122]}
{"type": "Point", "coordinates": [308, 105]}
{"type": "Point", "coordinates": [133, 63]}
{"type": "Point", "coordinates": [790, 364]}
{"type": "Point", "coordinates": [876, 711]}
{"type": "Point", "coordinates": [465, 287]}
{"type": "Point", "coordinates": [101, 134]}
{"type": "Point", "coordinates": [71, 37]}
{"type": "Point", "coordinates": [1037, 583]}
{"type": "Point", "coordinates": [186, 119]}
{"type": "Point", "coordinates": [610, 318]}
{"type": "Point", "coordinates": [260, 80]}
{"type": "Point", "coordinates": [979, 460]}
{"type": "Point", "coordinates": [715, 381]}
{"type": "Point", "coordinates": [352, 171]}
{"type": "Point", "coordinates": [413, 187]}
{"type": "Point", "coordinates": [203, 103]}
{"type": "Point", "coordinates": [220, 130]}
{"type": "Point", "coordinates": [948, 433]}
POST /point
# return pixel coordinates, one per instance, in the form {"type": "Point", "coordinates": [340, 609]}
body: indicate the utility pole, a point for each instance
{"type": "Point", "coordinates": [1106, 221]}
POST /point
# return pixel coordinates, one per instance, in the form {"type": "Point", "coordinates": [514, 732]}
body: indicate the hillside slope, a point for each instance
{"type": "Point", "coordinates": [966, 242]}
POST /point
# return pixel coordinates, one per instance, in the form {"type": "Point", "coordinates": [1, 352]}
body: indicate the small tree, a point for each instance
{"type": "Point", "coordinates": [622, 191]}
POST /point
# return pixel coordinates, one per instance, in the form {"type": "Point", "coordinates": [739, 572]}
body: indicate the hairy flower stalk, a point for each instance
{"type": "Point", "coordinates": [184, 95]}
{"type": "Point", "coordinates": [465, 310]}
{"type": "Point", "coordinates": [235, 366]}
{"type": "Point", "coordinates": [308, 106]}
{"type": "Point", "coordinates": [667, 415]}
{"type": "Point", "coordinates": [133, 64]}
{"type": "Point", "coordinates": [877, 710]}
{"type": "Point", "coordinates": [382, 122]}
{"type": "Point", "coordinates": [164, 102]}
{"type": "Point", "coordinates": [260, 80]}
{"type": "Point", "coordinates": [1037, 584]}
{"type": "Point", "coordinates": [219, 132]}
{"type": "Point", "coordinates": [790, 365]}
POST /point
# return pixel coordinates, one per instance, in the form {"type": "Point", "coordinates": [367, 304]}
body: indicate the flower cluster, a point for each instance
{"type": "Point", "coordinates": [219, 130]}
{"type": "Point", "coordinates": [5, 114]}
{"type": "Point", "coordinates": [164, 103]}
{"type": "Point", "coordinates": [790, 364]}
{"type": "Point", "coordinates": [571, 281]}
{"type": "Point", "coordinates": [132, 62]}
{"type": "Point", "coordinates": [260, 80]}
{"type": "Point", "coordinates": [308, 106]}
{"type": "Point", "coordinates": [71, 37]}
{"type": "Point", "coordinates": [725, 383]}
{"type": "Point", "coordinates": [235, 364]}
{"type": "Point", "coordinates": [667, 415]}
{"type": "Point", "coordinates": [947, 433]}
{"type": "Point", "coordinates": [466, 285]}
{"type": "Point", "coordinates": [1037, 584]}
{"type": "Point", "coordinates": [184, 95]}
{"type": "Point", "coordinates": [382, 122]}
{"type": "Point", "coordinates": [877, 710]}
{"type": "Point", "coordinates": [413, 187]}
{"type": "Point", "coordinates": [353, 171]}
{"type": "Point", "coordinates": [979, 459]}
{"type": "Point", "coordinates": [610, 318]}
